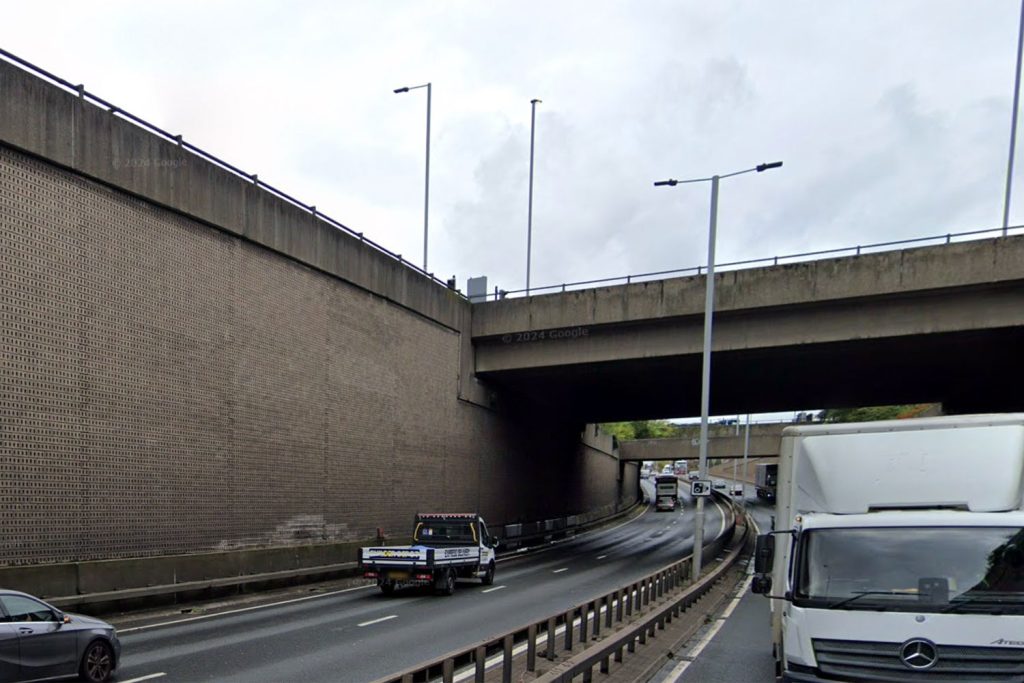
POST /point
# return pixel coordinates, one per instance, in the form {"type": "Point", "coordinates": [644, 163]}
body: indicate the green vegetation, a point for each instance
{"type": "Point", "coordinates": [875, 413]}
{"type": "Point", "coordinates": [641, 429]}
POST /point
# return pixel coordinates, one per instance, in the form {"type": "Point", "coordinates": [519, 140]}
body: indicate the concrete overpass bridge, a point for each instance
{"type": "Point", "coordinates": [931, 324]}
{"type": "Point", "coordinates": [723, 442]}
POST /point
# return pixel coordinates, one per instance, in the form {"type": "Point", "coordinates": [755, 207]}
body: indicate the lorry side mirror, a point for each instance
{"type": "Point", "coordinates": [761, 584]}
{"type": "Point", "coordinates": [764, 554]}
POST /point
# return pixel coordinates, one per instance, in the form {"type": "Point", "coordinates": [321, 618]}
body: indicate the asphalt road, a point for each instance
{"type": "Point", "coordinates": [741, 649]}
{"type": "Point", "coordinates": [358, 634]}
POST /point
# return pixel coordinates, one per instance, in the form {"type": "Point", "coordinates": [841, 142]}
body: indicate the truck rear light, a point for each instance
{"type": "Point", "coordinates": [424, 577]}
{"type": "Point", "coordinates": [369, 575]}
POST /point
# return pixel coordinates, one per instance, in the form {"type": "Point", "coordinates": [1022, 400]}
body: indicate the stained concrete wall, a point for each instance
{"type": "Point", "coordinates": [190, 364]}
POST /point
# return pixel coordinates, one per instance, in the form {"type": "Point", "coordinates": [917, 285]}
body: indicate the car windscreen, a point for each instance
{"type": "Point", "coordinates": [441, 532]}
{"type": "Point", "coordinates": [934, 569]}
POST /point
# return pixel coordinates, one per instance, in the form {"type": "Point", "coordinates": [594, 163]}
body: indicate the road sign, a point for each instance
{"type": "Point", "coordinates": [701, 487]}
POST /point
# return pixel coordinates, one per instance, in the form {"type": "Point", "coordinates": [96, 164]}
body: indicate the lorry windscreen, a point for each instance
{"type": "Point", "coordinates": [935, 569]}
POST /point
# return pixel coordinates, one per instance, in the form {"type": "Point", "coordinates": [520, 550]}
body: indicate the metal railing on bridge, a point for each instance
{"type": "Point", "coordinates": [856, 250]}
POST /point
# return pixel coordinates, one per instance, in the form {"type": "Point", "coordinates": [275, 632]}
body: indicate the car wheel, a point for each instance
{"type": "Point", "coordinates": [488, 578]}
{"type": "Point", "coordinates": [97, 662]}
{"type": "Point", "coordinates": [446, 583]}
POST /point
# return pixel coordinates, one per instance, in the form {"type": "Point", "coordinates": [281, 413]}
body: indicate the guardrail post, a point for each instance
{"type": "Point", "coordinates": [448, 670]}
{"type": "Point", "coordinates": [584, 618]}
{"type": "Point", "coordinates": [618, 654]}
{"type": "Point", "coordinates": [630, 597]}
{"type": "Point", "coordinates": [618, 605]}
{"type": "Point", "coordinates": [407, 678]}
{"type": "Point", "coordinates": [568, 629]}
{"type": "Point", "coordinates": [631, 645]}
{"type": "Point", "coordinates": [531, 648]}
{"type": "Point", "coordinates": [642, 636]}
{"type": "Point", "coordinates": [605, 665]}
{"type": "Point", "coordinates": [597, 617]}
{"type": "Point", "coordinates": [480, 655]}
{"type": "Point", "coordinates": [550, 653]}
{"type": "Point", "coordinates": [506, 660]}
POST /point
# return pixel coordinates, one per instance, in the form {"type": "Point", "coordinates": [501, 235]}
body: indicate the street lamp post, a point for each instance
{"type": "Point", "coordinates": [426, 182]}
{"type": "Point", "coordinates": [705, 383]}
{"type": "Point", "coordinates": [529, 211]}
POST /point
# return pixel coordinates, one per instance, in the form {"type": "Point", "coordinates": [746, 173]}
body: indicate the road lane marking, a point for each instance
{"type": "Point", "coordinates": [491, 590]}
{"type": "Point", "coordinates": [377, 621]}
{"type": "Point", "coordinates": [559, 571]}
{"type": "Point", "coordinates": [601, 557]}
{"type": "Point", "coordinates": [143, 678]}
{"type": "Point", "coordinates": [242, 609]}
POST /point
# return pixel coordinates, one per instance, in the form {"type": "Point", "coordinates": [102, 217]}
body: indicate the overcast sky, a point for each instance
{"type": "Point", "coordinates": [892, 117]}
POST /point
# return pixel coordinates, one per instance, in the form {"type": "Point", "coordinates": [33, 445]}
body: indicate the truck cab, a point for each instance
{"type": "Point", "coordinates": [887, 563]}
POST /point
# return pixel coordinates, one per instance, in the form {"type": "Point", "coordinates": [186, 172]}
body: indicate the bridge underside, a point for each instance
{"type": "Point", "coordinates": [974, 371]}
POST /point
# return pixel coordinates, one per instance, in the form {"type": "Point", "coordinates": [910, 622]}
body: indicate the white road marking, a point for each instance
{"type": "Point", "coordinates": [143, 678]}
{"type": "Point", "coordinates": [674, 675]}
{"type": "Point", "coordinates": [377, 621]}
{"type": "Point", "coordinates": [242, 609]}
{"type": "Point", "coordinates": [559, 571]}
{"type": "Point", "coordinates": [491, 590]}
{"type": "Point", "coordinates": [601, 557]}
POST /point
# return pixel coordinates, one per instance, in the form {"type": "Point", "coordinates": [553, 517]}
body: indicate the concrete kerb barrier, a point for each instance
{"type": "Point", "coordinates": [107, 585]}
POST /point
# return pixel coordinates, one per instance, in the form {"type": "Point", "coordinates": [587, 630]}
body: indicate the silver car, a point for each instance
{"type": "Point", "coordinates": [38, 640]}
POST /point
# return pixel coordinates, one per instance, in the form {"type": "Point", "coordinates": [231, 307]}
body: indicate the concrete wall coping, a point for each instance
{"type": "Point", "coordinates": [45, 120]}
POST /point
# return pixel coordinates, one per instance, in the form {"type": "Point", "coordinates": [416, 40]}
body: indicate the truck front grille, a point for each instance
{"type": "Point", "coordinates": [872, 661]}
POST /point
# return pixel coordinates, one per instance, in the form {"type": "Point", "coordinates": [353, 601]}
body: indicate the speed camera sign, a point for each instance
{"type": "Point", "coordinates": [701, 487]}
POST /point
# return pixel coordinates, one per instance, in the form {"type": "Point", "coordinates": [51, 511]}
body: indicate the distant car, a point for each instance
{"type": "Point", "coordinates": [694, 476]}
{"type": "Point", "coordinates": [37, 640]}
{"type": "Point", "coordinates": [718, 485]}
{"type": "Point", "coordinates": [737, 490]}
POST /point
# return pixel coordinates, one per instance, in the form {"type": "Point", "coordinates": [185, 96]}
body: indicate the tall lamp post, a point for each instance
{"type": "Point", "coordinates": [529, 211]}
{"type": "Point", "coordinates": [705, 384]}
{"type": "Point", "coordinates": [426, 183]}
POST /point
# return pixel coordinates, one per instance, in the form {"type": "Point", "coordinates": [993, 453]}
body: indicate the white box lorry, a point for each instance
{"type": "Point", "coordinates": [446, 546]}
{"type": "Point", "coordinates": [898, 551]}
{"type": "Point", "coordinates": [666, 492]}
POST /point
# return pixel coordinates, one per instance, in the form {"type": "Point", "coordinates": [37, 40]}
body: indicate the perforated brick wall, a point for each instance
{"type": "Point", "coordinates": [168, 388]}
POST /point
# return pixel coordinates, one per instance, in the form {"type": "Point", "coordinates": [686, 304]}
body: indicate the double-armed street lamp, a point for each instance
{"type": "Point", "coordinates": [426, 190]}
{"type": "Point", "coordinates": [705, 386]}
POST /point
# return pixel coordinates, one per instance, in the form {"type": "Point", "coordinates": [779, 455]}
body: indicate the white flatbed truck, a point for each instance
{"type": "Point", "coordinates": [898, 551]}
{"type": "Point", "coordinates": [446, 547]}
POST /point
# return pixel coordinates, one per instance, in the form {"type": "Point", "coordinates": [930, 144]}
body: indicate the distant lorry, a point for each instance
{"type": "Point", "coordinates": [446, 547]}
{"type": "Point", "coordinates": [765, 477]}
{"type": "Point", "coordinates": [681, 467]}
{"type": "Point", "coordinates": [898, 552]}
{"type": "Point", "coordinates": [666, 491]}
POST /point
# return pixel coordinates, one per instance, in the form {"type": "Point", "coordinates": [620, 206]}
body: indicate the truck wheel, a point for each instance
{"type": "Point", "coordinates": [445, 584]}
{"type": "Point", "coordinates": [387, 587]}
{"type": "Point", "coordinates": [488, 577]}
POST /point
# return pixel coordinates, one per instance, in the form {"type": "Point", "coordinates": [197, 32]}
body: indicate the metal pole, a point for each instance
{"type": "Point", "coordinates": [705, 386]}
{"type": "Point", "coordinates": [1013, 122]}
{"type": "Point", "coordinates": [426, 186]}
{"type": "Point", "coordinates": [746, 451]}
{"type": "Point", "coordinates": [529, 213]}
